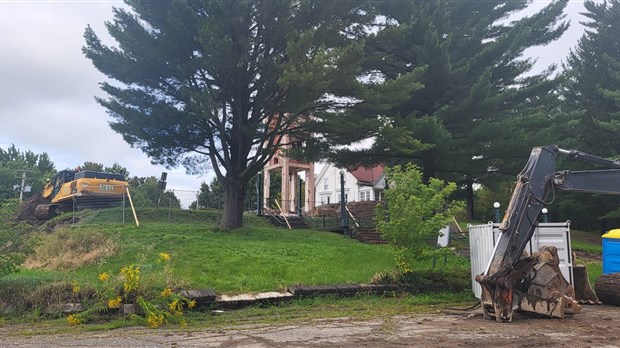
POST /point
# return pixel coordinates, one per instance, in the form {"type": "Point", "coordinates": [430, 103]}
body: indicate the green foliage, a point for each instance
{"type": "Point", "coordinates": [591, 83]}
{"type": "Point", "coordinates": [129, 288]}
{"type": "Point", "coordinates": [96, 167]}
{"type": "Point", "coordinates": [209, 81]}
{"type": "Point", "coordinates": [13, 161]}
{"type": "Point", "coordinates": [442, 86]}
{"type": "Point", "coordinates": [145, 192]}
{"type": "Point", "coordinates": [589, 118]}
{"type": "Point", "coordinates": [211, 195]}
{"type": "Point", "coordinates": [487, 196]}
{"type": "Point", "coordinates": [12, 246]}
{"type": "Point", "coordinates": [116, 168]}
{"type": "Point", "coordinates": [414, 211]}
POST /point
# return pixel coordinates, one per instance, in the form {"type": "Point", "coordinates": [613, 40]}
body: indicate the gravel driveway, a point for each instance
{"type": "Point", "coordinates": [596, 326]}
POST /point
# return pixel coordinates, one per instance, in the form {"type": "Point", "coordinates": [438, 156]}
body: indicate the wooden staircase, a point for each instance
{"type": "Point", "coordinates": [368, 235]}
{"type": "Point", "coordinates": [296, 222]}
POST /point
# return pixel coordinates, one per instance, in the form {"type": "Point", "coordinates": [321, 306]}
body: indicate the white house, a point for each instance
{"type": "Point", "coordinates": [360, 184]}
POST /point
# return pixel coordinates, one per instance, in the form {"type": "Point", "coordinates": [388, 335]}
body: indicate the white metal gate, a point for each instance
{"type": "Point", "coordinates": [483, 238]}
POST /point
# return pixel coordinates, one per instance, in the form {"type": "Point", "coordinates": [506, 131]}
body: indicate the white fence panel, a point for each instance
{"type": "Point", "coordinates": [483, 238]}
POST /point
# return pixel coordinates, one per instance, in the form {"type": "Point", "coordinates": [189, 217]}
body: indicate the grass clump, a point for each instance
{"type": "Point", "coordinates": [68, 249]}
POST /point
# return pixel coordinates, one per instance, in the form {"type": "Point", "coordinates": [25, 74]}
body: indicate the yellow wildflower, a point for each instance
{"type": "Point", "coordinates": [115, 302]}
{"type": "Point", "coordinates": [155, 320]}
{"type": "Point", "coordinates": [191, 304]}
{"type": "Point", "coordinates": [75, 287]}
{"type": "Point", "coordinates": [183, 323]}
{"type": "Point", "coordinates": [73, 320]}
{"type": "Point", "coordinates": [166, 293]}
{"type": "Point", "coordinates": [132, 278]}
{"type": "Point", "coordinates": [176, 307]}
{"type": "Point", "coordinates": [104, 276]}
{"type": "Point", "coordinates": [164, 257]}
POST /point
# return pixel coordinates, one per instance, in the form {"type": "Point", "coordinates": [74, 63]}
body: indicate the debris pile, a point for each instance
{"type": "Point", "coordinates": [26, 212]}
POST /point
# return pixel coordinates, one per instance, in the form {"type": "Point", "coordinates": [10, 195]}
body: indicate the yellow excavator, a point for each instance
{"type": "Point", "coordinates": [82, 189]}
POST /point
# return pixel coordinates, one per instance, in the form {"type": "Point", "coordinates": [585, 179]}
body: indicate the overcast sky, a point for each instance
{"type": "Point", "coordinates": [47, 86]}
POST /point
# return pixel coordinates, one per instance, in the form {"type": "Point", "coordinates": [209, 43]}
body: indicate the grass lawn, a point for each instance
{"type": "Point", "coordinates": [255, 258]}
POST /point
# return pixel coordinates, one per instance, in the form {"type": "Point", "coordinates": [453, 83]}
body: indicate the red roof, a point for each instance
{"type": "Point", "coordinates": [368, 176]}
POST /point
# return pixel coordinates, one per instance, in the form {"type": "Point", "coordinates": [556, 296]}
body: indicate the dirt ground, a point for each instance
{"type": "Point", "coordinates": [596, 326]}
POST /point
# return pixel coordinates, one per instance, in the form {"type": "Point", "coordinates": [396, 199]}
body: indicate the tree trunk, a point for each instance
{"type": "Point", "coordinates": [234, 198]}
{"type": "Point", "coordinates": [471, 214]}
{"type": "Point", "coordinates": [428, 166]}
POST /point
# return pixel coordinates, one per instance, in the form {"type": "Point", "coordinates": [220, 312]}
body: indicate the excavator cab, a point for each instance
{"type": "Point", "coordinates": [52, 188]}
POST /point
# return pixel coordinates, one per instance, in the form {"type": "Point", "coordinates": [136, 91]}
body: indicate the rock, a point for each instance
{"type": "Point", "coordinates": [128, 309]}
{"type": "Point", "coordinates": [201, 296]}
{"type": "Point", "coordinates": [71, 308]}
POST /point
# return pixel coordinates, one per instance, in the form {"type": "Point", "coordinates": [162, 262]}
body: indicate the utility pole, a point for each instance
{"type": "Point", "coordinates": [22, 187]}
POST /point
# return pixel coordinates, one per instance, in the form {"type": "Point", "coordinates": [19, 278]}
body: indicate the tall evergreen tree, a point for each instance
{"type": "Point", "coordinates": [592, 83]}
{"type": "Point", "coordinates": [443, 85]}
{"type": "Point", "coordinates": [589, 118]}
{"type": "Point", "coordinates": [210, 80]}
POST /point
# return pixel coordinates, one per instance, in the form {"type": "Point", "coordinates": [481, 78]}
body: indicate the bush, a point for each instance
{"type": "Point", "coordinates": [415, 211]}
{"type": "Point", "coordinates": [12, 247]}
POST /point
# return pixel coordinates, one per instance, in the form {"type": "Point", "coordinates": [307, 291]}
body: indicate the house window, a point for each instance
{"type": "Point", "coordinates": [378, 195]}
{"type": "Point", "coordinates": [364, 195]}
{"type": "Point", "coordinates": [325, 184]}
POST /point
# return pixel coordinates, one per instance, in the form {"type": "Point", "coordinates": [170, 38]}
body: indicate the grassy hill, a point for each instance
{"type": "Point", "coordinates": [256, 258]}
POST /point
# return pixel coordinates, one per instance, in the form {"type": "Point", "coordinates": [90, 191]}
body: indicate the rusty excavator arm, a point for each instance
{"type": "Point", "coordinates": [534, 283]}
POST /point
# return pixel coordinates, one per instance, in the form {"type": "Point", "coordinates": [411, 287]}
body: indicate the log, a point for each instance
{"type": "Point", "coordinates": [607, 288]}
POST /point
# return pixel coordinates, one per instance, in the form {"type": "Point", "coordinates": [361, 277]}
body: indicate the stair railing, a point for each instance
{"type": "Point", "coordinates": [351, 216]}
{"type": "Point", "coordinates": [283, 215]}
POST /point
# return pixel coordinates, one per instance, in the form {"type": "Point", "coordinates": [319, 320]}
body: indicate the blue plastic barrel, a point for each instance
{"type": "Point", "coordinates": [611, 251]}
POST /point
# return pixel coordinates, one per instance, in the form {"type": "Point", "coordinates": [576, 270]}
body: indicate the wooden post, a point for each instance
{"type": "Point", "coordinates": [132, 207]}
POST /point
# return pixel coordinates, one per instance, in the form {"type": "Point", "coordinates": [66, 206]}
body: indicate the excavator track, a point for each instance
{"type": "Point", "coordinates": [45, 211]}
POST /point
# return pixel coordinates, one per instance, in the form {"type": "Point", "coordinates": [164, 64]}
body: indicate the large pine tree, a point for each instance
{"type": "Point", "coordinates": [589, 117]}
{"type": "Point", "coordinates": [443, 85]}
{"type": "Point", "coordinates": [592, 85]}
{"type": "Point", "coordinates": [201, 81]}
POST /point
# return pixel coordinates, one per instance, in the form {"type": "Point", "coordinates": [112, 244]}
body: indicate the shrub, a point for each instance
{"type": "Point", "coordinates": [414, 211]}
{"type": "Point", "coordinates": [12, 247]}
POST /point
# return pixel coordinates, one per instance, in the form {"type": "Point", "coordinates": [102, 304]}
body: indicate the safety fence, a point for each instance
{"type": "Point", "coordinates": [133, 206]}
{"type": "Point", "coordinates": [127, 206]}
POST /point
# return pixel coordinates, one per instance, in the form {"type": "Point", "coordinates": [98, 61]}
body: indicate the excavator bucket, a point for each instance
{"type": "Point", "coordinates": [535, 284]}
{"type": "Point", "coordinates": [545, 291]}
{"type": "Point", "coordinates": [583, 290]}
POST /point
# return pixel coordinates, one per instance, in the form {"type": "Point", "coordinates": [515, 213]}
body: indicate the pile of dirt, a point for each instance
{"type": "Point", "coordinates": [26, 212]}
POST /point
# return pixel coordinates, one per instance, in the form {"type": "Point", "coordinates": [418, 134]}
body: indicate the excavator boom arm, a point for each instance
{"type": "Point", "coordinates": [507, 268]}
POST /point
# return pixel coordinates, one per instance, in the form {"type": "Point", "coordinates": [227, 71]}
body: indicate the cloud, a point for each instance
{"type": "Point", "coordinates": [47, 89]}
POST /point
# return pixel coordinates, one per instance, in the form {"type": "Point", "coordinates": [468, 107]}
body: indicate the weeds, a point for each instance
{"type": "Point", "coordinates": [69, 249]}
{"type": "Point", "coordinates": [127, 289]}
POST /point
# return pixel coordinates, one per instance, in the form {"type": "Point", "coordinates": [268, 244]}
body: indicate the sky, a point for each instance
{"type": "Point", "coordinates": [47, 86]}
